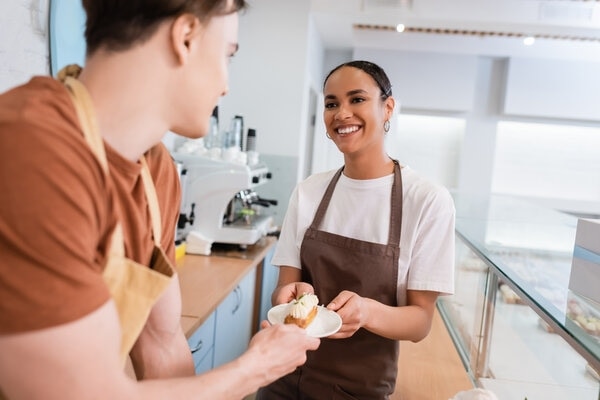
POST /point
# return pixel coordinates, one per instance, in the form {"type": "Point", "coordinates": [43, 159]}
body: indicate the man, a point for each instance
{"type": "Point", "coordinates": [80, 161]}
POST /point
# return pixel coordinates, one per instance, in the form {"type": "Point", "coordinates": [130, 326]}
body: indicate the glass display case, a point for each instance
{"type": "Point", "coordinates": [518, 328]}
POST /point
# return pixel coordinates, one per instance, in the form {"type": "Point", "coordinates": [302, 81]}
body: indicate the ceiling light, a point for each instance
{"type": "Point", "coordinates": [529, 40]}
{"type": "Point", "coordinates": [400, 28]}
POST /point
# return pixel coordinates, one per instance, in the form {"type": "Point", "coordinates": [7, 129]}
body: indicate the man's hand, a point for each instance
{"type": "Point", "coordinates": [277, 350]}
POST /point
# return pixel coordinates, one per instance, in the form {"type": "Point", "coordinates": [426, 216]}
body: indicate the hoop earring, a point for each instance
{"type": "Point", "coordinates": [327, 134]}
{"type": "Point", "coordinates": [386, 126]}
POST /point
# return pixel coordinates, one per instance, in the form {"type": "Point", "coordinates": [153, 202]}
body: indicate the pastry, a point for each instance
{"type": "Point", "coordinates": [302, 311]}
{"type": "Point", "coordinates": [509, 296]}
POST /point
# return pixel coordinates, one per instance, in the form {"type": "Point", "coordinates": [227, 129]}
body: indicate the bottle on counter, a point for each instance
{"type": "Point", "coordinates": [233, 148]}
{"type": "Point", "coordinates": [252, 154]}
{"type": "Point", "coordinates": [234, 136]}
{"type": "Point", "coordinates": [213, 138]}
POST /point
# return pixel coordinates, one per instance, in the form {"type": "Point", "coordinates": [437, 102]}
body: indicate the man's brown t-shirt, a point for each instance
{"type": "Point", "coordinates": [58, 209]}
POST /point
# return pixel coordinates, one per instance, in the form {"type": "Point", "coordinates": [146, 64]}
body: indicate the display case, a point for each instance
{"type": "Point", "coordinates": [518, 328]}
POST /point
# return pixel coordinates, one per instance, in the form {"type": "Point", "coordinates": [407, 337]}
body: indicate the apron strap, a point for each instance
{"type": "Point", "coordinates": [320, 214]}
{"type": "Point", "coordinates": [396, 207]}
{"type": "Point", "coordinates": [395, 227]}
{"type": "Point", "coordinates": [87, 119]}
{"type": "Point", "coordinates": [152, 198]}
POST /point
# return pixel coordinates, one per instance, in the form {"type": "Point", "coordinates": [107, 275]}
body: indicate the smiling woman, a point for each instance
{"type": "Point", "coordinates": [341, 240]}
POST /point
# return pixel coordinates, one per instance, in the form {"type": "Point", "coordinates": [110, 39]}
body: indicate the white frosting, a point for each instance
{"type": "Point", "coordinates": [301, 307]}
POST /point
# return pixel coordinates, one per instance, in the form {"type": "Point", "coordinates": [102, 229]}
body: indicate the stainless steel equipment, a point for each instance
{"type": "Point", "coordinates": [219, 201]}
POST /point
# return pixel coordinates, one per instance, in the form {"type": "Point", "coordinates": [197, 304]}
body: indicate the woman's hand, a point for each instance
{"type": "Point", "coordinates": [354, 311]}
{"type": "Point", "coordinates": [289, 286]}
{"type": "Point", "coordinates": [291, 291]}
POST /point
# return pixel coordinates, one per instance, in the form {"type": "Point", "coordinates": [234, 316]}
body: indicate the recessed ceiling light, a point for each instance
{"type": "Point", "coordinates": [529, 40]}
{"type": "Point", "coordinates": [400, 28]}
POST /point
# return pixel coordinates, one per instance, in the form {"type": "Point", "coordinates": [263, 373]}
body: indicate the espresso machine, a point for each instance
{"type": "Point", "coordinates": [219, 204]}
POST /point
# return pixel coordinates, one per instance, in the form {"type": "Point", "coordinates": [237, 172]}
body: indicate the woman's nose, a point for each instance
{"type": "Point", "coordinates": [343, 112]}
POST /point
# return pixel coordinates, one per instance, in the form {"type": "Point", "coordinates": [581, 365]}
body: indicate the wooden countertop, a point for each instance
{"type": "Point", "coordinates": [205, 281]}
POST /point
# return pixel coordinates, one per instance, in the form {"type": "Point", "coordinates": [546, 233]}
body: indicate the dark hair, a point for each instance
{"type": "Point", "coordinates": [119, 24]}
{"type": "Point", "coordinates": [374, 70]}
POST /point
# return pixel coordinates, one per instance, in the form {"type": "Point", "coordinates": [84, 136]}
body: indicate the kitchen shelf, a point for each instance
{"type": "Point", "coordinates": [512, 318]}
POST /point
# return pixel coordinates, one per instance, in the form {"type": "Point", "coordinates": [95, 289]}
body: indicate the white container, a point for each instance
{"type": "Point", "coordinates": [585, 267]}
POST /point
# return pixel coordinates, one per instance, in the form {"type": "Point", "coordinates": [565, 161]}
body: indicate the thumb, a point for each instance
{"type": "Point", "coordinates": [339, 301]}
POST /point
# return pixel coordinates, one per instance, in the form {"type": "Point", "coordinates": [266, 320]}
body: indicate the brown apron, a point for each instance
{"type": "Point", "coordinates": [134, 288]}
{"type": "Point", "coordinates": [363, 366]}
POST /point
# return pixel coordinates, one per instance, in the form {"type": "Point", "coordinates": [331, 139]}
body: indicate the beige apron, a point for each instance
{"type": "Point", "coordinates": [363, 366]}
{"type": "Point", "coordinates": [135, 288]}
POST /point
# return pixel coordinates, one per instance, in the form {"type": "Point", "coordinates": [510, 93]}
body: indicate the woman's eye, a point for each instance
{"type": "Point", "coordinates": [358, 100]}
{"type": "Point", "coordinates": [330, 105]}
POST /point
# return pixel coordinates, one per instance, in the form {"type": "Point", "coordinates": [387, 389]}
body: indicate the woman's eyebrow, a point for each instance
{"type": "Point", "coordinates": [349, 93]}
{"type": "Point", "coordinates": [355, 91]}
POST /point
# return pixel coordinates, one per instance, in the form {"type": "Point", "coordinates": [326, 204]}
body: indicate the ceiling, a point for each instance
{"type": "Point", "coordinates": [561, 27]}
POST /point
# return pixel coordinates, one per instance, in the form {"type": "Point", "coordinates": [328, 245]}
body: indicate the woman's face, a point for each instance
{"type": "Point", "coordinates": [354, 113]}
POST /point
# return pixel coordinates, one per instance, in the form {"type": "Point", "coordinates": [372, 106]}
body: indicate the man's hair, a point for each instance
{"type": "Point", "coordinates": [119, 24]}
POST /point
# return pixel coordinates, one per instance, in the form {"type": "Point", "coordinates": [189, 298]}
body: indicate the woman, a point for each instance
{"type": "Point", "coordinates": [81, 159]}
{"type": "Point", "coordinates": [373, 240]}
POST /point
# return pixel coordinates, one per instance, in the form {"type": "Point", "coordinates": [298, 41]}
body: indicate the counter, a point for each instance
{"type": "Point", "coordinates": [205, 281]}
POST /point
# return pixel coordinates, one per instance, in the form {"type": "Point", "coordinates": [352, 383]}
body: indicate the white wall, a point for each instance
{"type": "Point", "coordinates": [427, 80]}
{"type": "Point", "coordinates": [555, 89]}
{"type": "Point", "coordinates": [23, 41]}
{"type": "Point", "coordinates": [268, 76]}
{"type": "Point", "coordinates": [273, 81]}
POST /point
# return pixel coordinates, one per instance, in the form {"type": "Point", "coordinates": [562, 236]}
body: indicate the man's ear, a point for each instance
{"type": "Point", "coordinates": [183, 30]}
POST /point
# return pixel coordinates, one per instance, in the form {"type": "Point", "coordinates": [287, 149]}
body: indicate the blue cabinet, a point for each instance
{"type": "Point", "coordinates": [270, 275]}
{"type": "Point", "coordinates": [202, 345]}
{"type": "Point", "coordinates": [226, 333]}
{"type": "Point", "coordinates": [234, 321]}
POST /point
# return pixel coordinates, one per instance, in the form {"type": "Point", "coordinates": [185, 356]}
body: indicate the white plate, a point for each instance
{"type": "Point", "coordinates": [326, 322]}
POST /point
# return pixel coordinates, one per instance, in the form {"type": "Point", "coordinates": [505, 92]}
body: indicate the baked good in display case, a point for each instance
{"type": "Point", "coordinates": [584, 315]}
{"type": "Point", "coordinates": [508, 295]}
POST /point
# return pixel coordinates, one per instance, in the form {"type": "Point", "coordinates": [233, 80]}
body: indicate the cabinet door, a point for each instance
{"type": "Point", "coordinates": [270, 276]}
{"type": "Point", "coordinates": [234, 321]}
{"type": "Point", "coordinates": [201, 345]}
{"type": "Point", "coordinates": [206, 364]}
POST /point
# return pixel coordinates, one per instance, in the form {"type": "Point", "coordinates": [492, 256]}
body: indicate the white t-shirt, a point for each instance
{"type": "Point", "coordinates": [360, 209]}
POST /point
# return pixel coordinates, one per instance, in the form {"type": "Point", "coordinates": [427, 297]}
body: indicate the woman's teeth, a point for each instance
{"type": "Point", "coordinates": [346, 130]}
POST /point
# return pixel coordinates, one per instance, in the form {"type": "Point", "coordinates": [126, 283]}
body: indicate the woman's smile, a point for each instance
{"type": "Point", "coordinates": [347, 130]}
